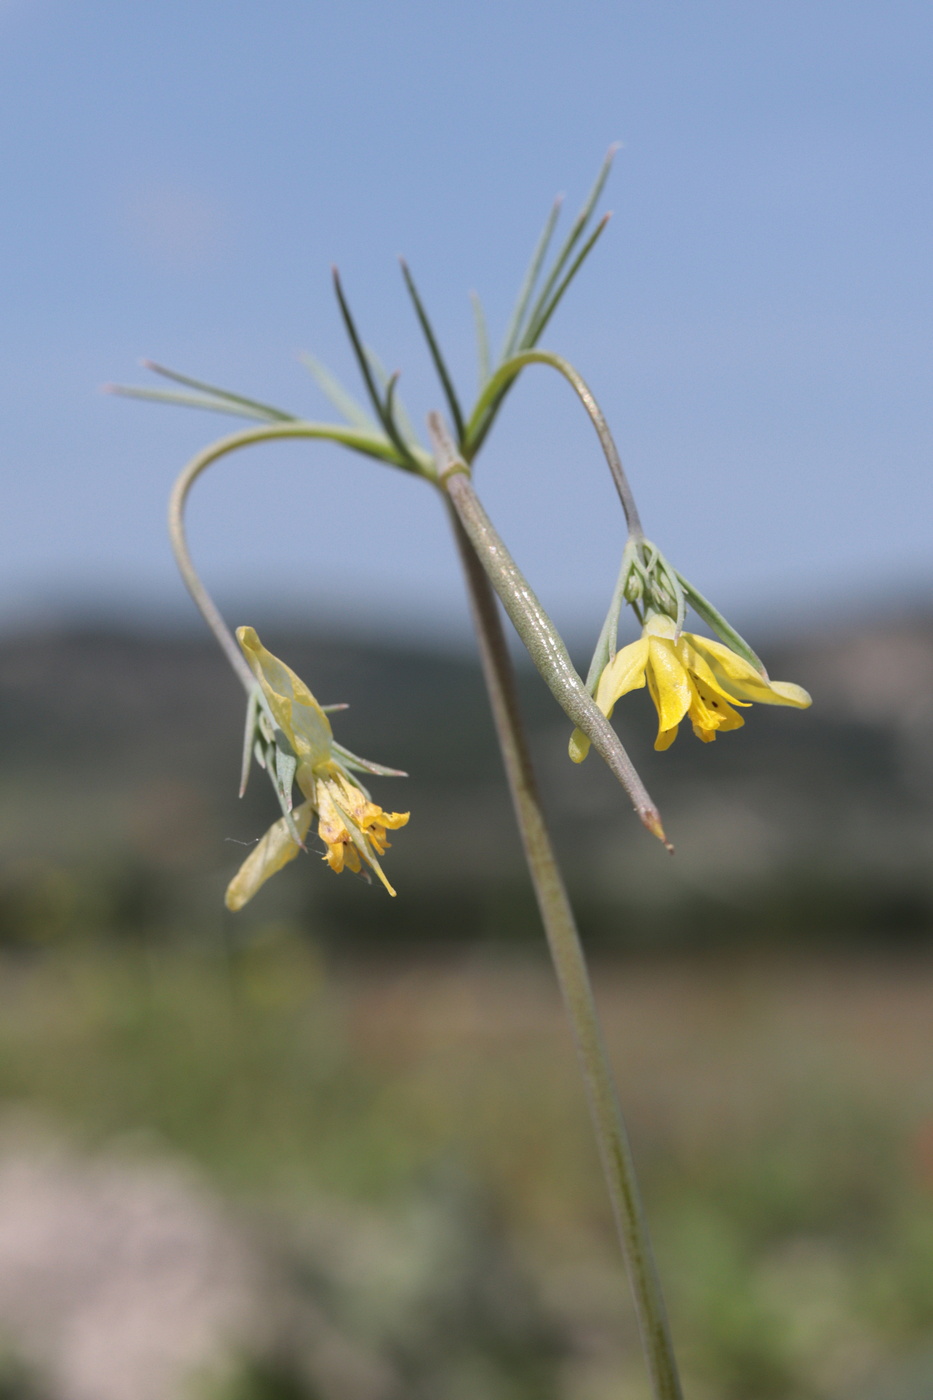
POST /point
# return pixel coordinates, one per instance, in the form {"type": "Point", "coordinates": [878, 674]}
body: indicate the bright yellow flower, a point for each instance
{"type": "Point", "coordinates": [352, 828]}
{"type": "Point", "coordinates": [687, 676]}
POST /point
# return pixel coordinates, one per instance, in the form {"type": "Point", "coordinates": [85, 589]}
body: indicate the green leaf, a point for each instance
{"type": "Point", "coordinates": [528, 285]}
{"type": "Point", "coordinates": [394, 407]}
{"type": "Point", "coordinates": [131, 391]}
{"type": "Point", "coordinates": [264, 409]}
{"type": "Point", "coordinates": [286, 762]}
{"type": "Point", "coordinates": [249, 738]}
{"type": "Point", "coordinates": [483, 358]}
{"type": "Point", "coordinates": [362, 359]}
{"type": "Point", "coordinates": [341, 398]}
{"type": "Point", "coordinates": [443, 374]}
{"type": "Point", "coordinates": [539, 321]}
{"type": "Point", "coordinates": [363, 765]}
{"type": "Point", "coordinates": [576, 233]}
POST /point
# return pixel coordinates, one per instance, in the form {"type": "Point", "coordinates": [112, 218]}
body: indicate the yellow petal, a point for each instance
{"type": "Point", "coordinates": [668, 682]}
{"type": "Point", "coordinates": [352, 827]}
{"type": "Point", "coordinates": [625, 672]}
{"type": "Point", "coordinates": [294, 708]}
{"type": "Point", "coordinates": [786, 693]}
{"type": "Point", "coordinates": [274, 851]}
{"type": "Point", "coordinates": [710, 712]}
{"type": "Point", "coordinates": [703, 674]}
{"type": "Point", "coordinates": [739, 679]}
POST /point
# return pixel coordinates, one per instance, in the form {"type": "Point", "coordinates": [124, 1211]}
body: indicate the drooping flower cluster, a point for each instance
{"type": "Point", "coordinates": [351, 826]}
{"type": "Point", "coordinates": [688, 677]}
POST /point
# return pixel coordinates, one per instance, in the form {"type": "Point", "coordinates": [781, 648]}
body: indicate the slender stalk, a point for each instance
{"type": "Point", "coordinates": [570, 965]}
{"type": "Point", "coordinates": [367, 443]}
{"type": "Point", "coordinates": [498, 385]}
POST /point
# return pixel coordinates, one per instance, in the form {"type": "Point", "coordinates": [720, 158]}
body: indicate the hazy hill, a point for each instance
{"type": "Point", "coordinates": [118, 811]}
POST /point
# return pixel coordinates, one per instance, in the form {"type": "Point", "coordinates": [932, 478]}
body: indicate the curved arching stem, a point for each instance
{"type": "Point", "coordinates": [497, 387]}
{"type": "Point", "coordinates": [358, 441]}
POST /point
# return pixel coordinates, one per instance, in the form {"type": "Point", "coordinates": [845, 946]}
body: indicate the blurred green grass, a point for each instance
{"type": "Point", "coordinates": [780, 1110]}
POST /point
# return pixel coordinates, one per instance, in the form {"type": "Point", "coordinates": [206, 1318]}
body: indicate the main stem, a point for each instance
{"type": "Point", "coordinates": [570, 964]}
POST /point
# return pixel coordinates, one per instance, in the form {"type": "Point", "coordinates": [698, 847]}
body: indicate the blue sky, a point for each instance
{"type": "Point", "coordinates": [756, 322]}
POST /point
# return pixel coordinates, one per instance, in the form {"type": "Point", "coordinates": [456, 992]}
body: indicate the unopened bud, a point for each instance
{"type": "Point", "coordinates": [634, 587]}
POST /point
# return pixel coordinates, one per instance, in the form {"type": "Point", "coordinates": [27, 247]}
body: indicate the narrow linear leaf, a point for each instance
{"type": "Point", "coordinates": [531, 276]}
{"type": "Point", "coordinates": [443, 374]}
{"type": "Point", "coordinates": [539, 321]}
{"type": "Point", "coordinates": [680, 598]}
{"type": "Point", "coordinates": [341, 398]}
{"type": "Point", "coordinates": [268, 410]}
{"type": "Point", "coordinates": [285, 765]}
{"type": "Point", "coordinates": [353, 760]}
{"type": "Point", "coordinates": [202, 401]}
{"type": "Point", "coordinates": [249, 739]}
{"type": "Point", "coordinates": [483, 357]}
{"type": "Point", "coordinates": [394, 406]}
{"type": "Point", "coordinates": [576, 233]}
{"type": "Point", "coordinates": [362, 360]}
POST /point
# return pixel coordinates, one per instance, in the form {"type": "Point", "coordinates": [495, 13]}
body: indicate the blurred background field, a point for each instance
{"type": "Point", "coordinates": [375, 1104]}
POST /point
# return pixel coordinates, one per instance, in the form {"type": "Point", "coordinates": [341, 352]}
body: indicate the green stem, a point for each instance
{"type": "Point", "coordinates": [570, 964]}
{"type": "Point", "coordinates": [497, 387]}
{"type": "Point", "coordinates": [353, 438]}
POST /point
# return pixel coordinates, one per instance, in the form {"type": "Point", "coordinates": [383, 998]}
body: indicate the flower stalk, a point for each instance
{"type": "Point", "coordinates": [570, 965]}
{"type": "Point", "coordinates": [370, 444]}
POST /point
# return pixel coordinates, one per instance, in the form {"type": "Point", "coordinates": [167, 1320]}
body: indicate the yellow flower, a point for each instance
{"type": "Point", "coordinates": [352, 828]}
{"type": "Point", "coordinates": [687, 676]}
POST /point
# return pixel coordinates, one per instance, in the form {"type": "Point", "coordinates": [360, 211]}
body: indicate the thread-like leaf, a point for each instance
{"type": "Point", "coordinates": [483, 358]}
{"type": "Point", "coordinates": [532, 273]}
{"type": "Point", "coordinates": [537, 324]}
{"type": "Point", "coordinates": [576, 233]}
{"type": "Point", "coordinates": [267, 410]}
{"type": "Point", "coordinates": [363, 765]}
{"type": "Point", "coordinates": [443, 374]}
{"type": "Point", "coordinates": [341, 398]}
{"type": "Point", "coordinates": [202, 401]}
{"type": "Point", "coordinates": [394, 406]}
{"type": "Point", "coordinates": [362, 359]}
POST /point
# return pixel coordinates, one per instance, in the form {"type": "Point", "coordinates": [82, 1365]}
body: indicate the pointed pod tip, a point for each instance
{"type": "Point", "coordinates": [651, 820]}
